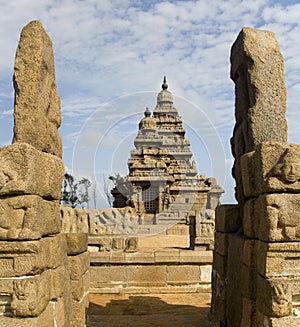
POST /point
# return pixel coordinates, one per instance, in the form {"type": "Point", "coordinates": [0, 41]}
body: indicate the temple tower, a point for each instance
{"type": "Point", "coordinates": [162, 177]}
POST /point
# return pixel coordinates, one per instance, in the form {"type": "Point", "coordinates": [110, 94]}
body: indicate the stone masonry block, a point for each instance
{"type": "Point", "coordinates": [183, 275]}
{"type": "Point", "coordinates": [273, 217]}
{"type": "Point", "coordinates": [279, 259]}
{"type": "Point", "coordinates": [28, 217]}
{"type": "Point", "coordinates": [205, 272]}
{"type": "Point", "coordinates": [45, 319]}
{"type": "Point", "coordinates": [278, 297]}
{"type": "Point", "coordinates": [31, 257]}
{"type": "Point", "coordinates": [79, 312]}
{"type": "Point", "coordinates": [250, 252]}
{"type": "Point", "coordinates": [219, 298]}
{"type": "Point", "coordinates": [146, 276]}
{"type": "Point", "coordinates": [221, 243]}
{"type": "Point", "coordinates": [234, 271]}
{"type": "Point", "coordinates": [28, 171]}
{"type": "Point", "coordinates": [227, 218]}
{"type": "Point", "coordinates": [68, 219]}
{"type": "Point", "coordinates": [82, 220]}
{"type": "Point", "coordinates": [272, 167]}
{"type": "Point", "coordinates": [248, 280]}
{"type": "Point", "coordinates": [262, 320]}
{"type": "Point", "coordinates": [107, 276]}
{"type": "Point", "coordinates": [76, 243]}
{"type": "Point", "coordinates": [220, 265]}
{"type": "Point", "coordinates": [32, 294]}
{"type": "Point", "coordinates": [79, 264]}
{"type": "Point", "coordinates": [80, 287]}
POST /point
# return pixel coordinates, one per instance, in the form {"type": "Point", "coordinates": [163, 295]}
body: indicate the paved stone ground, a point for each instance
{"type": "Point", "coordinates": [139, 310]}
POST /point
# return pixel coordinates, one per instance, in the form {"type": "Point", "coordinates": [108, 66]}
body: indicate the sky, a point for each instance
{"type": "Point", "coordinates": [110, 59]}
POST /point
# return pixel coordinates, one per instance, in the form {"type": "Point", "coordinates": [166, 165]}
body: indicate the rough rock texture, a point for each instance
{"type": "Point", "coordinates": [25, 170]}
{"type": "Point", "coordinates": [257, 241]}
{"type": "Point", "coordinates": [260, 95]}
{"type": "Point", "coordinates": [37, 104]}
{"type": "Point", "coordinates": [37, 263]}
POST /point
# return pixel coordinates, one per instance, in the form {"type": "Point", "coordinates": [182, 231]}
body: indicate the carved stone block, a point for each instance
{"type": "Point", "coordinates": [272, 167]}
{"type": "Point", "coordinates": [25, 170]}
{"type": "Point", "coordinates": [28, 217]}
{"type": "Point", "coordinates": [278, 259]}
{"type": "Point", "coordinates": [31, 257]}
{"type": "Point", "coordinates": [277, 296]}
{"type": "Point", "coordinates": [273, 217]}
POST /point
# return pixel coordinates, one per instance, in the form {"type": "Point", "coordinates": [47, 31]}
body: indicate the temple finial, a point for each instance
{"type": "Point", "coordinates": [164, 85]}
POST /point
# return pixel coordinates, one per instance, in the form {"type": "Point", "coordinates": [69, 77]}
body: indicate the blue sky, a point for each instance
{"type": "Point", "coordinates": [111, 57]}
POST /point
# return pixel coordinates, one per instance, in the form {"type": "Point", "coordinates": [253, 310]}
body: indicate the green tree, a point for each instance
{"type": "Point", "coordinates": [69, 191]}
{"type": "Point", "coordinates": [83, 191]}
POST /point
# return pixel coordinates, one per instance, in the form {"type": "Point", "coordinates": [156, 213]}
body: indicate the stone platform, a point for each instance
{"type": "Point", "coordinates": [149, 270]}
{"type": "Point", "coordinates": [174, 310]}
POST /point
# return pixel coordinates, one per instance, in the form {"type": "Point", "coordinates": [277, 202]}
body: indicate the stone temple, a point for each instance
{"type": "Point", "coordinates": [163, 180]}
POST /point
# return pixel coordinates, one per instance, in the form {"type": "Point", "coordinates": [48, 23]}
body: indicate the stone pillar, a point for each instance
{"type": "Point", "coordinates": [34, 275]}
{"type": "Point", "coordinates": [256, 269]}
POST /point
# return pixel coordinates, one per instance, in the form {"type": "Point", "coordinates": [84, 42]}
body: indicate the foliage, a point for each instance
{"type": "Point", "coordinates": [75, 193]}
{"type": "Point", "coordinates": [69, 191]}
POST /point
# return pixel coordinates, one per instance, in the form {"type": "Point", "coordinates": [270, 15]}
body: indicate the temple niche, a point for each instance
{"type": "Point", "coordinates": [163, 182]}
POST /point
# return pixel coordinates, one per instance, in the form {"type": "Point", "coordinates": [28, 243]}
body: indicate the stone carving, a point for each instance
{"type": "Point", "coordinates": [263, 255]}
{"type": "Point", "coordinates": [28, 217]}
{"type": "Point", "coordinates": [25, 170]}
{"type": "Point", "coordinates": [161, 161]}
{"type": "Point", "coordinates": [122, 221]}
{"type": "Point", "coordinates": [37, 104]}
{"type": "Point", "coordinates": [273, 217]}
{"type": "Point", "coordinates": [272, 167]}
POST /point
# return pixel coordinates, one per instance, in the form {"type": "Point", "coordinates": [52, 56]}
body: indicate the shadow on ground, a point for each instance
{"type": "Point", "coordinates": [147, 310]}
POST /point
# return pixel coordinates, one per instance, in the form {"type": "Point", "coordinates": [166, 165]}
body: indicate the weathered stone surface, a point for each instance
{"type": "Point", "coordinates": [69, 219]}
{"type": "Point", "coordinates": [248, 282]}
{"type": "Point", "coordinates": [76, 243]}
{"type": "Point", "coordinates": [146, 276]}
{"type": "Point", "coordinates": [219, 298]}
{"type": "Point", "coordinates": [272, 167]}
{"type": "Point", "coordinates": [227, 218]}
{"type": "Point", "coordinates": [79, 311]}
{"type": "Point", "coordinates": [25, 170]}
{"type": "Point", "coordinates": [31, 295]}
{"type": "Point", "coordinates": [46, 319]}
{"type": "Point", "coordinates": [258, 72]}
{"type": "Point", "coordinates": [37, 104]}
{"type": "Point", "coordinates": [221, 243]}
{"type": "Point", "coordinates": [234, 269]}
{"type": "Point", "coordinates": [276, 295]}
{"type": "Point", "coordinates": [273, 217]}
{"type": "Point", "coordinates": [262, 320]}
{"type": "Point", "coordinates": [82, 220]}
{"type": "Point", "coordinates": [28, 217]}
{"type": "Point", "coordinates": [31, 257]}
{"type": "Point", "coordinates": [183, 274]}
{"type": "Point", "coordinates": [80, 287]}
{"type": "Point", "coordinates": [278, 259]}
{"type": "Point", "coordinates": [79, 264]}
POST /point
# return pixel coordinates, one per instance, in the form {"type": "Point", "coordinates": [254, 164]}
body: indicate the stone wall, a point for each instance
{"type": "Point", "coordinates": [43, 272]}
{"type": "Point", "coordinates": [256, 268]}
